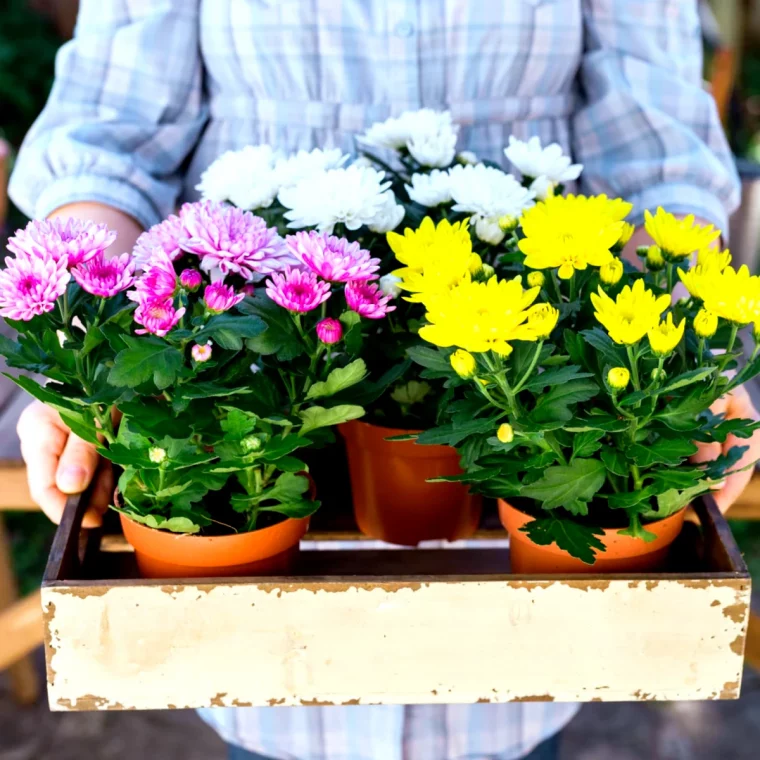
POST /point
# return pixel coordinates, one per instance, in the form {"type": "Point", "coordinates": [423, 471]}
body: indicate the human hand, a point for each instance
{"type": "Point", "coordinates": [735, 405]}
{"type": "Point", "coordinates": [59, 463]}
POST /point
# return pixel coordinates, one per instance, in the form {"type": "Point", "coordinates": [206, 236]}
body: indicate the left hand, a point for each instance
{"type": "Point", "coordinates": [735, 405]}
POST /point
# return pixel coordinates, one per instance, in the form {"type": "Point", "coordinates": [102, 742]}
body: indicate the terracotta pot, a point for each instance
{"type": "Point", "coordinates": [161, 554]}
{"type": "Point", "coordinates": [393, 501]}
{"type": "Point", "coordinates": [623, 554]}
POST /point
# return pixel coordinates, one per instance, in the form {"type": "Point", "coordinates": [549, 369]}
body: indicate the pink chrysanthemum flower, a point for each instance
{"type": "Point", "coordinates": [219, 297]}
{"type": "Point", "coordinates": [30, 285]}
{"type": "Point", "coordinates": [165, 235]}
{"type": "Point", "coordinates": [190, 279]}
{"type": "Point", "coordinates": [201, 353]}
{"type": "Point", "coordinates": [72, 240]}
{"type": "Point", "coordinates": [367, 300]}
{"type": "Point", "coordinates": [332, 258]}
{"type": "Point", "coordinates": [297, 290]}
{"type": "Point", "coordinates": [157, 316]}
{"type": "Point", "coordinates": [329, 331]}
{"type": "Point", "coordinates": [157, 282]}
{"type": "Point", "coordinates": [231, 241]}
{"type": "Point", "coordinates": [105, 277]}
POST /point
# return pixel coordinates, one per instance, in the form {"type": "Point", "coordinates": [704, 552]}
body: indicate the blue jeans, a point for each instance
{"type": "Point", "coordinates": [547, 750]}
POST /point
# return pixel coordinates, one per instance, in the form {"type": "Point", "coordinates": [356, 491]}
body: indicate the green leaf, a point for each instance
{"type": "Point", "coordinates": [682, 416]}
{"type": "Point", "coordinates": [687, 378]}
{"type": "Point", "coordinates": [454, 433]}
{"type": "Point", "coordinates": [143, 359]}
{"type": "Point", "coordinates": [599, 340]}
{"type": "Point", "coordinates": [280, 336]}
{"type": "Point", "coordinates": [740, 428]}
{"type": "Point", "coordinates": [289, 487]}
{"type": "Point", "coordinates": [237, 424]}
{"type": "Point", "coordinates": [577, 540]}
{"type": "Point", "coordinates": [614, 460]}
{"type": "Point", "coordinates": [339, 379]}
{"type": "Point", "coordinates": [628, 499]}
{"type": "Point", "coordinates": [317, 416]}
{"type": "Point", "coordinates": [413, 392]}
{"type": "Point", "coordinates": [670, 502]}
{"type": "Point", "coordinates": [674, 477]}
{"type": "Point", "coordinates": [581, 479]}
{"type": "Point", "coordinates": [555, 376]}
{"type": "Point", "coordinates": [662, 451]}
{"type": "Point", "coordinates": [717, 468]}
{"type": "Point", "coordinates": [228, 330]}
{"type": "Point", "coordinates": [46, 393]}
{"type": "Point", "coordinates": [429, 358]}
{"type": "Point", "coordinates": [585, 444]}
{"type": "Point", "coordinates": [554, 406]}
{"type": "Point", "coordinates": [276, 448]}
{"type": "Point", "coordinates": [637, 530]}
{"type": "Point", "coordinates": [606, 422]}
{"type": "Point", "coordinates": [294, 509]}
{"type": "Point", "coordinates": [173, 524]}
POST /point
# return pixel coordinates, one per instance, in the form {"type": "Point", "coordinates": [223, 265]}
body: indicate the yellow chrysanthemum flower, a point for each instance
{"type": "Point", "coordinates": [571, 232]}
{"type": "Point", "coordinates": [666, 336]}
{"type": "Point", "coordinates": [481, 316]}
{"type": "Point", "coordinates": [415, 248]}
{"type": "Point", "coordinates": [632, 314]}
{"type": "Point", "coordinates": [610, 209]}
{"type": "Point", "coordinates": [437, 257]}
{"type": "Point", "coordinates": [678, 238]}
{"type": "Point", "coordinates": [625, 236]}
{"type": "Point", "coordinates": [732, 295]}
{"type": "Point", "coordinates": [542, 319]}
{"type": "Point", "coordinates": [536, 279]}
{"type": "Point", "coordinates": [710, 265]}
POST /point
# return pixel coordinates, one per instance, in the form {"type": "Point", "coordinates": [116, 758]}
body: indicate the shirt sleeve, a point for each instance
{"type": "Point", "coordinates": [126, 109]}
{"type": "Point", "coordinates": [646, 129]}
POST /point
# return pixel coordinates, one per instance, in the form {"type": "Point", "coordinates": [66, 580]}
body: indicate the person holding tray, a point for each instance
{"type": "Point", "coordinates": [150, 92]}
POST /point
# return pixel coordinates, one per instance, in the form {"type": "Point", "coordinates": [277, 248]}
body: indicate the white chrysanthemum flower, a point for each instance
{"type": "Point", "coordinates": [296, 166]}
{"type": "Point", "coordinates": [389, 215]}
{"type": "Point", "coordinates": [428, 135]}
{"type": "Point", "coordinates": [389, 285]}
{"type": "Point", "coordinates": [531, 160]}
{"type": "Point", "coordinates": [430, 190]}
{"type": "Point", "coordinates": [487, 192]}
{"type": "Point", "coordinates": [352, 196]}
{"type": "Point", "coordinates": [543, 187]}
{"type": "Point", "coordinates": [244, 177]}
{"type": "Point", "coordinates": [489, 230]}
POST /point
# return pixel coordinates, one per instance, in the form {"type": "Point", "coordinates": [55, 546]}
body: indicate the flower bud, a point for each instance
{"type": "Point", "coordinates": [658, 375]}
{"type": "Point", "coordinates": [467, 158]}
{"type": "Point", "coordinates": [190, 279]}
{"type": "Point", "coordinates": [536, 279]}
{"type": "Point", "coordinates": [507, 223]}
{"type": "Point", "coordinates": [475, 264]}
{"type": "Point", "coordinates": [329, 331]}
{"type": "Point", "coordinates": [248, 289]}
{"type": "Point", "coordinates": [505, 433]}
{"type": "Point", "coordinates": [641, 251]}
{"type": "Point", "coordinates": [611, 272]}
{"type": "Point", "coordinates": [625, 235]}
{"type": "Point", "coordinates": [201, 353]}
{"type": "Point", "coordinates": [251, 443]}
{"type": "Point", "coordinates": [618, 378]}
{"type": "Point", "coordinates": [487, 272]}
{"type": "Point", "coordinates": [489, 230]}
{"type": "Point", "coordinates": [705, 324]}
{"type": "Point", "coordinates": [157, 455]}
{"type": "Point", "coordinates": [655, 259]}
{"type": "Point", "coordinates": [389, 285]}
{"type": "Point", "coordinates": [542, 319]}
{"type": "Point", "coordinates": [463, 363]}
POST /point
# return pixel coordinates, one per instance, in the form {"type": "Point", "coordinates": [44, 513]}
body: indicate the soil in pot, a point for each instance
{"type": "Point", "coordinates": [623, 554]}
{"type": "Point", "coordinates": [393, 501]}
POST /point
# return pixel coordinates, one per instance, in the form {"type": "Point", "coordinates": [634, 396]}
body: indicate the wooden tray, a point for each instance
{"type": "Point", "coordinates": [372, 626]}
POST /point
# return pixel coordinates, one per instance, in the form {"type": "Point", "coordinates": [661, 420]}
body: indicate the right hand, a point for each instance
{"type": "Point", "coordinates": [59, 463]}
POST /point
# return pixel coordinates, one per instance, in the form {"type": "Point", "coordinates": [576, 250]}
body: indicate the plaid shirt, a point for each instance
{"type": "Point", "coordinates": [151, 91]}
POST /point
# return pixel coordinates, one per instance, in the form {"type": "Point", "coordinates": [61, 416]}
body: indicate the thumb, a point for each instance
{"type": "Point", "coordinates": [77, 465]}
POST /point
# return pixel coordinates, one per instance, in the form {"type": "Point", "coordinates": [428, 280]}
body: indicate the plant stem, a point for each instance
{"type": "Point", "coordinates": [637, 481]}
{"type": "Point", "coordinates": [670, 277]}
{"type": "Point", "coordinates": [634, 368]}
{"type": "Point", "coordinates": [573, 287]}
{"type": "Point", "coordinates": [726, 358]}
{"type": "Point", "coordinates": [530, 369]}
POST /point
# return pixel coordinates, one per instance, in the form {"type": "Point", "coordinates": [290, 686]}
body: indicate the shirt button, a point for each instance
{"type": "Point", "coordinates": [404, 29]}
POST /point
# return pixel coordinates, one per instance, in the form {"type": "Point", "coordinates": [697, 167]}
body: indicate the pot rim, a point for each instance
{"type": "Point", "coordinates": [368, 436]}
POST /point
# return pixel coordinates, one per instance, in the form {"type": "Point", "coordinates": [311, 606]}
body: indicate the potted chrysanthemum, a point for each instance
{"type": "Point", "coordinates": [580, 386]}
{"type": "Point", "coordinates": [223, 347]}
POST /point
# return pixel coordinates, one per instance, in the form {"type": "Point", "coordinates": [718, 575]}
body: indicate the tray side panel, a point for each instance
{"type": "Point", "coordinates": [393, 642]}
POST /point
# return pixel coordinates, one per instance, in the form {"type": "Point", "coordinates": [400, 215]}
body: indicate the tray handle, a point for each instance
{"type": "Point", "coordinates": [71, 543]}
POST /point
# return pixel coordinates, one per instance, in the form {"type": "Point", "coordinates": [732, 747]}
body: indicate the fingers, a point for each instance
{"type": "Point", "coordinates": [77, 465]}
{"type": "Point", "coordinates": [43, 438]}
{"type": "Point", "coordinates": [706, 452]}
{"type": "Point", "coordinates": [732, 489]}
